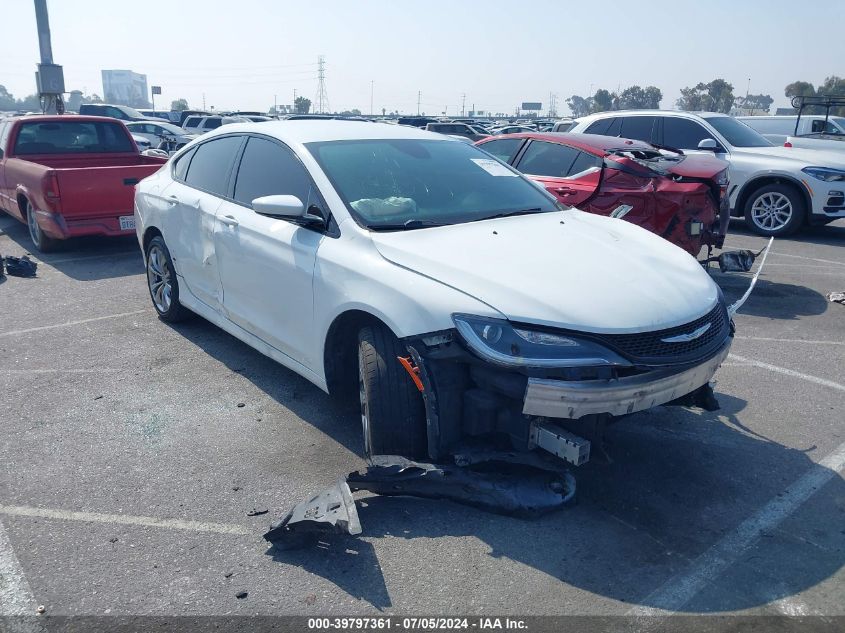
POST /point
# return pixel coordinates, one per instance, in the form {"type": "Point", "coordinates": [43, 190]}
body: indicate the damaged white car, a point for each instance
{"type": "Point", "coordinates": [458, 300]}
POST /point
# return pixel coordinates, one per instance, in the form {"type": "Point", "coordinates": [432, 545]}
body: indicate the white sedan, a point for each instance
{"type": "Point", "coordinates": [455, 297]}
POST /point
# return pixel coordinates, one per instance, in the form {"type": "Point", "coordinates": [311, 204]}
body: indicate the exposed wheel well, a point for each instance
{"type": "Point", "coordinates": [22, 205]}
{"type": "Point", "coordinates": [752, 186]}
{"type": "Point", "coordinates": [340, 359]}
{"type": "Point", "coordinates": [149, 234]}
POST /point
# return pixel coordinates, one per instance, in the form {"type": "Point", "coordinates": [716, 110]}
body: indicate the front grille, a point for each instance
{"type": "Point", "coordinates": [648, 347]}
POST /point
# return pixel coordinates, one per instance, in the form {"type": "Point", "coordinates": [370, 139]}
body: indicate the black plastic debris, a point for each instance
{"type": "Point", "coordinates": [20, 266]}
{"type": "Point", "coordinates": [331, 511]}
{"type": "Point", "coordinates": [501, 487]}
{"type": "Point", "coordinates": [836, 297]}
{"type": "Point", "coordinates": [735, 261]}
{"type": "Point", "coordinates": [498, 487]}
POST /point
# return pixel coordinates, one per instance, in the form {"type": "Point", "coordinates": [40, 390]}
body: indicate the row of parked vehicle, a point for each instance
{"type": "Point", "coordinates": [429, 277]}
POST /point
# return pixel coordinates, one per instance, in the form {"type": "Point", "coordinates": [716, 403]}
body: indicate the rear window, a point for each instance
{"type": "Point", "coordinates": [72, 137]}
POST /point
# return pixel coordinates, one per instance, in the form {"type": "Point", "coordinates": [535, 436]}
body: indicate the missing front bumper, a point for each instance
{"type": "Point", "coordinates": [575, 399]}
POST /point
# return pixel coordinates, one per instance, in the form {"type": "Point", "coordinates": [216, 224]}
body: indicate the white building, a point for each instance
{"type": "Point", "coordinates": [123, 87]}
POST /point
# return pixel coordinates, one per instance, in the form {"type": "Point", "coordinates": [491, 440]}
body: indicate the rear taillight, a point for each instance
{"type": "Point", "coordinates": [51, 188]}
{"type": "Point", "coordinates": [787, 144]}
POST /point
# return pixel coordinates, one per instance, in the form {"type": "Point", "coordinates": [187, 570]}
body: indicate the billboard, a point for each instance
{"type": "Point", "coordinates": [123, 87]}
{"type": "Point", "coordinates": [532, 105]}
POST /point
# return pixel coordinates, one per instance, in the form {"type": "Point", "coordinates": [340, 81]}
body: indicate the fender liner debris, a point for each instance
{"type": "Point", "coordinates": [500, 487]}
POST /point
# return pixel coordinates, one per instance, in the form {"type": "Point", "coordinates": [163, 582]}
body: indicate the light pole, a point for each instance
{"type": "Point", "coordinates": [372, 86]}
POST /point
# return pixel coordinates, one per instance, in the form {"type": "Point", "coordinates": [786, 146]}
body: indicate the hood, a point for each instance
{"type": "Point", "coordinates": [565, 269]}
{"type": "Point", "coordinates": [815, 157]}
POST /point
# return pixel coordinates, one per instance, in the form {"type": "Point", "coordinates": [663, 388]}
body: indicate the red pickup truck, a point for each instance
{"type": "Point", "coordinates": [67, 176]}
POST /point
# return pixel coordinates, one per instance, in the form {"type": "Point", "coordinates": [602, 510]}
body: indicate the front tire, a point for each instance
{"type": "Point", "coordinates": [43, 243]}
{"type": "Point", "coordinates": [162, 282]}
{"type": "Point", "coordinates": [392, 410]}
{"type": "Point", "coordinates": [775, 210]}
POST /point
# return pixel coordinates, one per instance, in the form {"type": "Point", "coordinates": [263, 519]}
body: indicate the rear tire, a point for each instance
{"type": "Point", "coordinates": [775, 210]}
{"type": "Point", "coordinates": [162, 282]}
{"type": "Point", "coordinates": [392, 410]}
{"type": "Point", "coordinates": [43, 242]}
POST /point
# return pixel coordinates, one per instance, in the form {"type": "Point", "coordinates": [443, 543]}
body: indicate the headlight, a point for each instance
{"type": "Point", "coordinates": [722, 178]}
{"type": "Point", "coordinates": [825, 173]}
{"type": "Point", "coordinates": [500, 343]}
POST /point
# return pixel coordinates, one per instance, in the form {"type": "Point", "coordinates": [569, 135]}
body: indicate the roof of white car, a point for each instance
{"type": "Point", "coordinates": [311, 131]}
{"type": "Point", "coordinates": [678, 113]}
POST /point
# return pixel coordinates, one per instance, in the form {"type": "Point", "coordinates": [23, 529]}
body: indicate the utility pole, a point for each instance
{"type": "Point", "coordinates": [49, 77]}
{"type": "Point", "coordinates": [463, 104]}
{"type": "Point", "coordinates": [419, 98]}
{"type": "Point", "coordinates": [203, 101]}
{"type": "Point", "coordinates": [372, 86]}
{"type": "Point", "coordinates": [552, 105]}
{"type": "Point", "coordinates": [275, 105]}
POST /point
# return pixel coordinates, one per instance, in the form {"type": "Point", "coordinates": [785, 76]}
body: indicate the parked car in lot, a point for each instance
{"type": "Point", "coordinates": [173, 136]}
{"type": "Point", "coordinates": [449, 293]}
{"type": "Point", "coordinates": [676, 196]}
{"type": "Point", "coordinates": [201, 124]}
{"type": "Point", "coordinates": [124, 113]}
{"type": "Point", "coordinates": [67, 176]}
{"type": "Point", "coordinates": [457, 129]}
{"type": "Point", "coordinates": [777, 189]}
{"type": "Point", "coordinates": [512, 129]}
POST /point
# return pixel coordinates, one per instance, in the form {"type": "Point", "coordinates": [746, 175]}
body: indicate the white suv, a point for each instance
{"type": "Point", "coordinates": [777, 189]}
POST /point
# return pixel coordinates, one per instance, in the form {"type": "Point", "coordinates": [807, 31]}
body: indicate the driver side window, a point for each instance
{"type": "Point", "coordinates": [266, 169]}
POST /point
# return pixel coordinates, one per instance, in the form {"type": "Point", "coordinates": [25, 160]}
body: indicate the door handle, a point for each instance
{"type": "Point", "coordinates": [229, 220]}
{"type": "Point", "coordinates": [565, 191]}
{"type": "Point", "coordinates": [172, 200]}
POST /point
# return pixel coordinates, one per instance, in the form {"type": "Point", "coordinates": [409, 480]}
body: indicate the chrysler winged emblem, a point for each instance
{"type": "Point", "coordinates": [689, 336]}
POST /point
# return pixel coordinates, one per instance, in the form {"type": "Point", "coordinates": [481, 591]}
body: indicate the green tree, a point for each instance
{"type": "Point", "coordinates": [7, 99]}
{"type": "Point", "coordinates": [602, 101]}
{"type": "Point", "coordinates": [716, 96]}
{"type": "Point", "coordinates": [637, 98]}
{"type": "Point", "coordinates": [94, 98]}
{"type": "Point", "coordinates": [754, 103]}
{"type": "Point", "coordinates": [579, 105]}
{"type": "Point", "coordinates": [799, 89]}
{"type": "Point", "coordinates": [302, 105]}
{"type": "Point", "coordinates": [178, 105]}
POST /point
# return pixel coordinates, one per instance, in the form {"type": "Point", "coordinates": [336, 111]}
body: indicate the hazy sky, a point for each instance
{"type": "Point", "coordinates": [240, 53]}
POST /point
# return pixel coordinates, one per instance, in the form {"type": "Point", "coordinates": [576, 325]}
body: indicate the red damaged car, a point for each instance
{"type": "Point", "coordinates": [679, 197]}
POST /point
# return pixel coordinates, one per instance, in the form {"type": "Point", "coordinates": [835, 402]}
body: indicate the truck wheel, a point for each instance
{"type": "Point", "coordinates": [43, 243]}
{"type": "Point", "coordinates": [775, 209]}
{"type": "Point", "coordinates": [162, 282]}
{"type": "Point", "coordinates": [392, 411]}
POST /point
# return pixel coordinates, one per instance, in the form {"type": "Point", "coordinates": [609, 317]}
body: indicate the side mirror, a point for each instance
{"type": "Point", "coordinates": [709, 145]}
{"type": "Point", "coordinates": [289, 207]}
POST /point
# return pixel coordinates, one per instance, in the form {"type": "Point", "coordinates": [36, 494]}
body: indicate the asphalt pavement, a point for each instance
{"type": "Point", "coordinates": [133, 453]}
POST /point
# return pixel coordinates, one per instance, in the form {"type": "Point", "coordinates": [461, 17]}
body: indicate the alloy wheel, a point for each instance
{"type": "Point", "coordinates": [158, 278]}
{"type": "Point", "coordinates": [32, 225]}
{"type": "Point", "coordinates": [771, 211]}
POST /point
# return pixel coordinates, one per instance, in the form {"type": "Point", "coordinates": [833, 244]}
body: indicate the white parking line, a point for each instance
{"type": "Point", "coordinates": [70, 260]}
{"type": "Point", "coordinates": [788, 340]}
{"type": "Point", "coordinates": [28, 372]}
{"type": "Point", "coordinates": [15, 595]}
{"type": "Point", "coordinates": [124, 519]}
{"type": "Point", "coordinates": [70, 323]}
{"type": "Point", "coordinates": [789, 372]}
{"type": "Point", "coordinates": [676, 592]}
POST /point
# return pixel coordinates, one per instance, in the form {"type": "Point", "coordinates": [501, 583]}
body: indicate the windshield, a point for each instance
{"type": "Point", "coordinates": [131, 112]}
{"type": "Point", "coordinates": [405, 183]}
{"type": "Point", "coordinates": [736, 133]}
{"type": "Point", "coordinates": [170, 128]}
